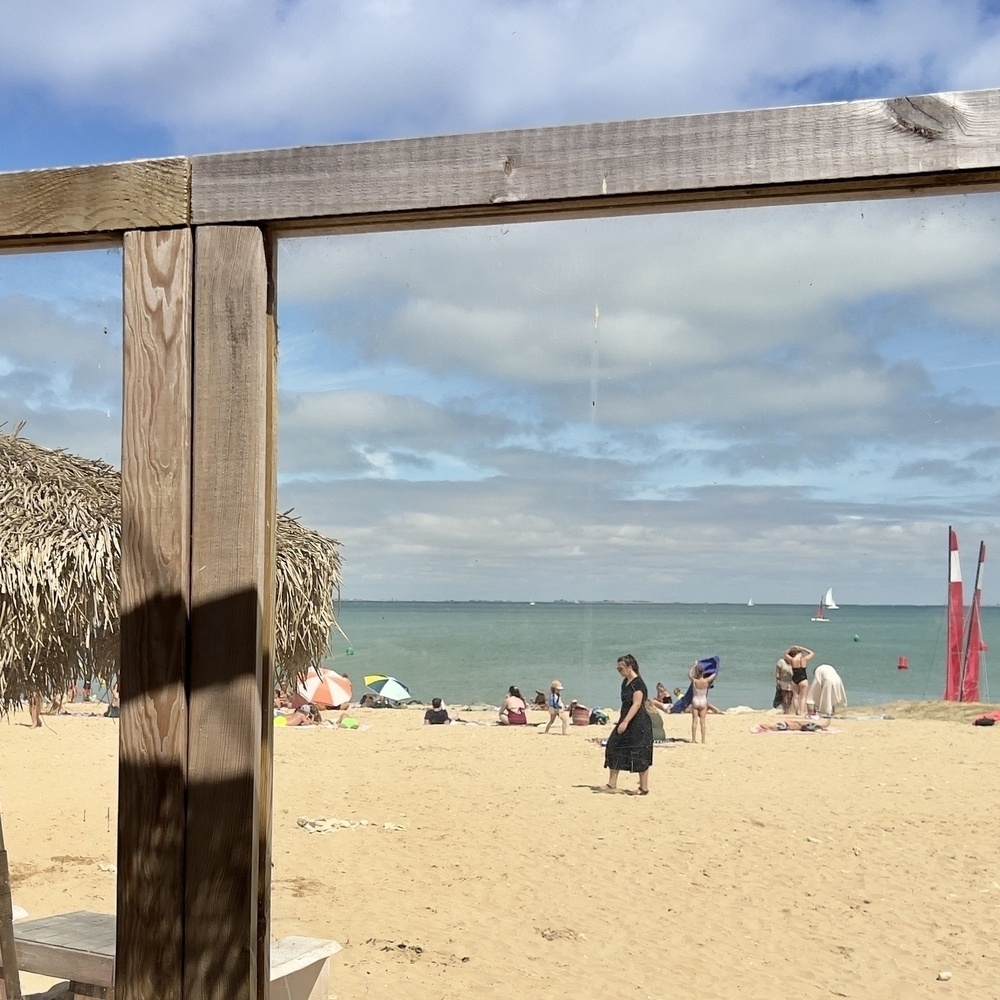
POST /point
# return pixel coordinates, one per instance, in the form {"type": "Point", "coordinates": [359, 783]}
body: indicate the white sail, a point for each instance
{"type": "Point", "coordinates": [828, 601]}
{"type": "Point", "coordinates": [750, 603]}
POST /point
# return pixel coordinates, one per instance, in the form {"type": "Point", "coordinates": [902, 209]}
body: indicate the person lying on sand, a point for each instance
{"type": "Point", "coordinates": [792, 725]}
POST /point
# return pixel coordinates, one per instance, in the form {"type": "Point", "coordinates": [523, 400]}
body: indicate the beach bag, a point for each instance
{"type": "Point", "coordinates": [598, 718]}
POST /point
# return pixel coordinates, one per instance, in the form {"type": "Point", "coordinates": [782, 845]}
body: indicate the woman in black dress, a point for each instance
{"type": "Point", "coordinates": [630, 746]}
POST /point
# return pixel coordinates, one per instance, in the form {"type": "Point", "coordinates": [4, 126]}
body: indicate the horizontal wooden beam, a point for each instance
{"type": "Point", "coordinates": [930, 144]}
{"type": "Point", "coordinates": [62, 205]}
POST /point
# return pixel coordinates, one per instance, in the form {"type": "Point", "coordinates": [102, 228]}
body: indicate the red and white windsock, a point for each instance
{"type": "Point", "coordinates": [974, 645]}
{"type": "Point", "coordinates": [953, 663]}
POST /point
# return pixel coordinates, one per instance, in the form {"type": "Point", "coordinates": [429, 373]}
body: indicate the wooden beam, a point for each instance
{"type": "Point", "coordinates": [864, 148]}
{"type": "Point", "coordinates": [155, 581]}
{"type": "Point", "coordinates": [231, 469]}
{"type": "Point", "coordinates": [66, 203]}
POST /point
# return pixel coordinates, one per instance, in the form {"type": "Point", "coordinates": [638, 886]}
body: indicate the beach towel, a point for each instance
{"type": "Point", "coordinates": [808, 728]}
{"type": "Point", "coordinates": [827, 692]}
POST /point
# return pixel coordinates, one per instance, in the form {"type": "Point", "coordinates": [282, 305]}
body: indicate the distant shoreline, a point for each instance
{"type": "Point", "coordinates": [658, 604]}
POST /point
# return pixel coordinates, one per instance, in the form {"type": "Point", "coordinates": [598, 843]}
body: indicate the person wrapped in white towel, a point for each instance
{"type": "Point", "coordinates": [826, 693]}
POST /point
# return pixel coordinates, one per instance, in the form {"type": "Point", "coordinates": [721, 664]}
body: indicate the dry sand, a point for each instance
{"type": "Point", "coordinates": [855, 864]}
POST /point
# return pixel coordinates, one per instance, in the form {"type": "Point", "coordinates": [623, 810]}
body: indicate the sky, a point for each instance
{"type": "Point", "coordinates": [711, 406]}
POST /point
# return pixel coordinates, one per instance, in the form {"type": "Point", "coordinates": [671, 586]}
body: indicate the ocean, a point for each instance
{"type": "Point", "coordinates": [470, 652]}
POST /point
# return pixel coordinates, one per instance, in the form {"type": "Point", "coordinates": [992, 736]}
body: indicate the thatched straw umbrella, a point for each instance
{"type": "Point", "coordinates": [60, 550]}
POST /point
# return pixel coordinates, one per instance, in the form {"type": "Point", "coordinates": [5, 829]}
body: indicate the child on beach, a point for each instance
{"type": "Point", "coordinates": [699, 699]}
{"type": "Point", "coordinates": [557, 708]}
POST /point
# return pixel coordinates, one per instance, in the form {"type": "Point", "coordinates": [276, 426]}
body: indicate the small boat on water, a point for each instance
{"type": "Point", "coordinates": [826, 603]}
{"type": "Point", "coordinates": [750, 603]}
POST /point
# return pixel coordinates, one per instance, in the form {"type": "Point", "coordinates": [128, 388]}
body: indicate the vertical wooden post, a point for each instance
{"type": "Point", "coordinates": [10, 982]}
{"type": "Point", "coordinates": [155, 581]}
{"type": "Point", "coordinates": [230, 472]}
{"type": "Point", "coordinates": [270, 586]}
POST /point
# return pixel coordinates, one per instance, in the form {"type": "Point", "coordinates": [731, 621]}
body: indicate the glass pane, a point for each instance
{"type": "Point", "coordinates": [578, 438]}
{"type": "Point", "coordinates": [60, 407]}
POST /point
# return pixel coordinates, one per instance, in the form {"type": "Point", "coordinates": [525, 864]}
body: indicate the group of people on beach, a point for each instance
{"type": "Point", "coordinates": [629, 747]}
{"type": "Point", "coordinates": [78, 689]}
{"type": "Point", "coordinates": [793, 693]}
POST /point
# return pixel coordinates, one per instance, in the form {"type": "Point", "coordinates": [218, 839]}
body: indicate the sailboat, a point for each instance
{"type": "Point", "coordinates": [819, 616]}
{"type": "Point", "coordinates": [828, 602]}
{"type": "Point", "coordinates": [750, 603]}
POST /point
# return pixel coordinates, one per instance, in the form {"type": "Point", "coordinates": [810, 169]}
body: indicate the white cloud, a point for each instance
{"type": "Point", "coordinates": [237, 72]}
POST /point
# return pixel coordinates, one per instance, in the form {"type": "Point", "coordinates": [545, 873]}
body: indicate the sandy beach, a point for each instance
{"type": "Point", "coordinates": [859, 863]}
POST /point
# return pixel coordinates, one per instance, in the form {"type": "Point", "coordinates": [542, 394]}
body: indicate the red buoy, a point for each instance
{"type": "Point", "coordinates": [904, 664]}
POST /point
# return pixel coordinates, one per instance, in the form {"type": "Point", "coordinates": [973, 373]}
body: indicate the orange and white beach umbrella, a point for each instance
{"type": "Point", "coordinates": [324, 688]}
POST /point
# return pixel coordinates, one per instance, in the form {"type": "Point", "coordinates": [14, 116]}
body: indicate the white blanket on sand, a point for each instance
{"type": "Point", "coordinates": [826, 693]}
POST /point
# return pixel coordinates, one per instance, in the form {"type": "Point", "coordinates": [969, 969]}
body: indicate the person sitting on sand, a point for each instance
{"type": "Point", "coordinates": [699, 698]}
{"type": "Point", "coordinates": [556, 707]}
{"type": "Point", "coordinates": [114, 702]}
{"type": "Point", "coordinates": [437, 714]}
{"type": "Point", "coordinates": [307, 715]}
{"type": "Point", "coordinates": [514, 709]}
{"type": "Point", "coordinates": [662, 699]}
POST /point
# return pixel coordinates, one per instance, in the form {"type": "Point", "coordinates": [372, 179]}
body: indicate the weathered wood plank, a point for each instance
{"type": "Point", "coordinates": [268, 639]}
{"type": "Point", "coordinates": [870, 146]}
{"type": "Point", "coordinates": [229, 486]}
{"type": "Point", "coordinates": [109, 198]}
{"type": "Point", "coordinates": [10, 981]}
{"type": "Point", "coordinates": [155, 578]}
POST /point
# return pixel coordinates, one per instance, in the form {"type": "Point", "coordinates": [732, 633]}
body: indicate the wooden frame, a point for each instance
{"type": "Point", "coordinates": [198, 461]}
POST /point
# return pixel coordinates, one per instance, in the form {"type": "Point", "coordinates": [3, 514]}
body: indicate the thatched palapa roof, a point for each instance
{"type": "Point", "coordinates": [60, 551]}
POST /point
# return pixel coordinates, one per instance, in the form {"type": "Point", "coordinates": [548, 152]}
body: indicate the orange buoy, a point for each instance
{"type": "Point", "coordinates": [904, 664]}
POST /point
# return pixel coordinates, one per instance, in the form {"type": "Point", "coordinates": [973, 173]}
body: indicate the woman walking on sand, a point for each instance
{"type": "Point", "coordinates": [556, 708]}
{"type": "Point", "coordinates": [630, 745]}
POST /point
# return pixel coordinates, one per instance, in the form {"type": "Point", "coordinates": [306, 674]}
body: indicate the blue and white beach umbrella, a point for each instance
{"type": "Point", "coordinates": [388, 687]}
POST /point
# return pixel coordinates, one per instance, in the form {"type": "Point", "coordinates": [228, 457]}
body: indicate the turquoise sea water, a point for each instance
{"type": "Point", "coordinates": [471, 652]}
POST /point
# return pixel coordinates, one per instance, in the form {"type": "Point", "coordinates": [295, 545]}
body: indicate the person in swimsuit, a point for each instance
{"type": "Point", "coordinates": [798, 657]}
{"type": "Point", "coordinates": [699, 699]}
{"type": "Point", "coordinates": [513, 711]}
{"type": "Point", "coordinates": [556, 707]}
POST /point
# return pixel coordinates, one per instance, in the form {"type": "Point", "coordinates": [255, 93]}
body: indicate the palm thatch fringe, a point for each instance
{"type": "Point", "coordinates": [60, 554]}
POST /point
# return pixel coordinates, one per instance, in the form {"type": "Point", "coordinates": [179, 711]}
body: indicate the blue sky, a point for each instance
{"type": "Point", "coordinates": [708, 406]}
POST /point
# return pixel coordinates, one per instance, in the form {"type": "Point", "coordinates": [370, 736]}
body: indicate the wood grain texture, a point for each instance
{"type": "Point", "coordinates": [155, 579]}
{"type": "Point", "coordinates": [228, 551]}
{"type": "Point", "coordinates": [266, 786]}
{"type": "Point", "coordinates": [9, 977]}
{"type": "Point", "coordinates": [109, 198]}
{"type": "Point", "coordinates": [860, 147]}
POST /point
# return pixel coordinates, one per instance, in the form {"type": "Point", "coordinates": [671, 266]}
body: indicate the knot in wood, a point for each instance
{"type": "Point", "coordinates": [928, 117]}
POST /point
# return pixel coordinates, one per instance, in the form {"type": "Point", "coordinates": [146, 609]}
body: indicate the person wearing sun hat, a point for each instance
{"type": "Point", "coordinates": [557, 708]}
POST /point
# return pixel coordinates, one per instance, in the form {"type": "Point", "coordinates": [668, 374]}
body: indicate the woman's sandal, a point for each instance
{"type": "Point", "coordinates": [642, 791]}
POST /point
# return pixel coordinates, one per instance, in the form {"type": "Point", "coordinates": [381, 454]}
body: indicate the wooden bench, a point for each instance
{"type": "Point", "coordinates": [80, 947]}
